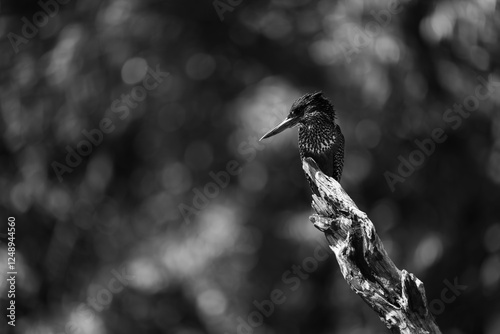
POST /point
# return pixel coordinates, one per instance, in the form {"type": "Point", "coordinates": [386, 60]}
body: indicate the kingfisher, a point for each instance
{"type": "Point", "coordinates": [320, 137]}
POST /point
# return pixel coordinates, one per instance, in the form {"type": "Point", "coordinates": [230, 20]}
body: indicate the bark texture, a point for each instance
{"type": "Point", "coordinates": [396, 295]}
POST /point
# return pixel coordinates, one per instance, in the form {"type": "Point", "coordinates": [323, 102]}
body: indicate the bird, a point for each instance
{"type": "Point", "coordinates": [320, 137]}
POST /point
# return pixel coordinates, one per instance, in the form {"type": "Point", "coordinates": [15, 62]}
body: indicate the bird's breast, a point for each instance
{"type": "Point", "coordinates": [316, 141]}
{"type": "Point", "coordinates": [320, 145]}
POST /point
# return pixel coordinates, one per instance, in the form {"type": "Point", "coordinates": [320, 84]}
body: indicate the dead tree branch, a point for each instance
{"type": "Point", "coordinates": [396, 295]}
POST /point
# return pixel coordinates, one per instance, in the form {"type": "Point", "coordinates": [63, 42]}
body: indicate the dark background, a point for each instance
{"type": "Point", "coordinates": [195, 264]}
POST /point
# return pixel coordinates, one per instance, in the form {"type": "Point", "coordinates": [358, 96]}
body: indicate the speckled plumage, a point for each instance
{"type": "Point", "coordinates": [320, 136]}
{"type": "Point", "coordinates": [327, 149]}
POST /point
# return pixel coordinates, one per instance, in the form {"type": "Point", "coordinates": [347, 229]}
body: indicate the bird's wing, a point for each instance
{"type": "Point", "coordinates": [338, 158]}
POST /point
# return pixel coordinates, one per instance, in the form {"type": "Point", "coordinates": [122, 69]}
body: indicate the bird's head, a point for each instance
{"type": "Point", "coordinates": [310, 109]}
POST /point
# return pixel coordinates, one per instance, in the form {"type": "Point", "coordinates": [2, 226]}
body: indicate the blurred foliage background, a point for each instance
{"type": "Point", "coordinates": [138, 237]}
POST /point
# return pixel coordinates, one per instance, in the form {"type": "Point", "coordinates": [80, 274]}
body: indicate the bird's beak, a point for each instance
{"type": "Point", "coordinates": [286, 124]}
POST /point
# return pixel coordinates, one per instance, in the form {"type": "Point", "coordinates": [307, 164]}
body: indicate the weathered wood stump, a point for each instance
{"type": "Point", "coordinates": [396, 295]}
